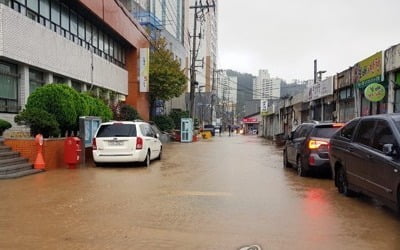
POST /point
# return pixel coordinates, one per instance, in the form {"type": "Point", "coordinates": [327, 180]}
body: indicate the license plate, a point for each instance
{"type": "Point", "coordinates": [115, 143]}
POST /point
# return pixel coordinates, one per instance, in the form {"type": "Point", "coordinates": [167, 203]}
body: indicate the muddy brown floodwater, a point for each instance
{"type": "Point", "coordinates": [224, 193]}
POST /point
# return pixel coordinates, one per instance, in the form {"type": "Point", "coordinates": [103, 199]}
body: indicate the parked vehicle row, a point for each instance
{"type": "Point", "coordinates": [126, 141]}
{"type": "Point", "coordinates": [363, 155]}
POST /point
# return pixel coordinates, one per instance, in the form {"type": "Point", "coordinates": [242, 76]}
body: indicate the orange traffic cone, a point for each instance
{"type": "Point", "coordinates": [39, 162]}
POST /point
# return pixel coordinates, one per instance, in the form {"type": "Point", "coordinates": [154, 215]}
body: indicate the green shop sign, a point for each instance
{"type": "Point", "coordinates": [375, 92]}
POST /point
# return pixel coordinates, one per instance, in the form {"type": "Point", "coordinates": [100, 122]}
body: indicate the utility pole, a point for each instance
{"type": "Point", "coordinates": [199, 8]}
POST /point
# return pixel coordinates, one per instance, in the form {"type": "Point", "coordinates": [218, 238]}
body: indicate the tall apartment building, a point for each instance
{"type": "Point", "coordinates": [265, 87]}
{"type": "Point", "coordinates": [87, 44]}
{"type": "Point", "coordinates": [167, 19]}
{"type": "Point", "coordinates": [208, 51]}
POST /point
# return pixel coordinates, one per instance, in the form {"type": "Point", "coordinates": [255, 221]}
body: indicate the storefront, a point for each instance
{"type": "Point", "coordinates": [372, 90]}
{"type": "Point", "coordinates": [322, 104]}
{"type": "Point", "coordinates": [397, 93]}
{"type": "Point", "coordinates": [392, 69]}
{"type": "Point", "coordinates": [344, 97]}
{"type": "Point", "coordinates": [345, 105]}
{"type": "Point", "coordinates": [251, 124]}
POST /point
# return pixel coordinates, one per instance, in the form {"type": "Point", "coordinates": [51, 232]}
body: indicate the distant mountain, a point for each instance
{"type": "Point", "coordinates": [244, 90]}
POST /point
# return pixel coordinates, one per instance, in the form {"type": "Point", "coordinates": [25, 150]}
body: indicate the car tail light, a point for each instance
{"type": "Point", "coordinates": [315, 144]}
{"type": "Point", "coordinates": [311, 160]}
{"type": "Point", "coordinates": [94, 145]}
{"type": "Point", "coordinates": [338, 125]}
{"type": "Point", "coordinates": [139, 143]}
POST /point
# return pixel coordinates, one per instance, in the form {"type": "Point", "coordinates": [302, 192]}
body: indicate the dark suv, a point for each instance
{"type": "Point", "coordinates": [365, 157]}
{"type": "Point", "coordinates": [306, 148]}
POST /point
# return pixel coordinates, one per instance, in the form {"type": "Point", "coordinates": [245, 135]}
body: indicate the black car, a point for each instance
{"type": "Point", "coordinates": [365, 157]}
{"type": "Point", "coordinates": [306, 148]}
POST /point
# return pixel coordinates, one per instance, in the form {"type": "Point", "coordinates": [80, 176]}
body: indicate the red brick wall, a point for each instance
{"type": "Point", "coordinates": [53, 151]}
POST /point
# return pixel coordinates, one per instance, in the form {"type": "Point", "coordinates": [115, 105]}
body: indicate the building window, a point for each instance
{"type": "Point", "coordinates": [55, 12]}
{"type": "Point", "coordinates": [101, 41]}
{"type": "Point", "coordinates": [59, 79]}
{"type": "Point", "coordinates": [111, 53]}
{"type": "Point", "coordinates": [64, 17]}
{"type": "Point", "coordinates": [106, 47]}
{"type": "Point", "coordinates": [77, 86]}
{"type": "Point", "coordinates": [36, 80]}
{"type": "Point", "coordinates": [81, 28]}
{"type": "Point", "coordinates": [95, 37]}
{"type": "Point", "coordinates": [6, 2]}
{"type": "Point", "coordinates": [88, 27]}
{"type": "Point", "coordinates": [60, 18]}
{"type": "Point", "coordinates": [45, 8]}
{"type": "Point", "coordinates": [74, 23]}
{"type": "Point", "coordinates": [9, 88]}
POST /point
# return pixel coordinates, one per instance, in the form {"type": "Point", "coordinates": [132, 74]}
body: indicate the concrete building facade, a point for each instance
{"type": "Point", "coordinates": [167, 19]}
{"type": "Point", "coordinates": [90, 45]}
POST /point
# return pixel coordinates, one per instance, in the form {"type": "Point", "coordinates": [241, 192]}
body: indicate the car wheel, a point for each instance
{"type": "Point", "coordinates": [342, 184]}
{"type": "Point", "coordinates": [146, 161]}
{"type": "Point", "coordinates": [286, 164]}
{"type": "Point", "coordinates": [300, 168]}
{"type": "Point", "coordinates": [160, 154]}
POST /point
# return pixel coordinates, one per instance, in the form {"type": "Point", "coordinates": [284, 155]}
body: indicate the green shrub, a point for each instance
{"type": "Point", "coordinates": [164, 122]}
{"type": "Point", "coordinates": [176, 116]}
{"type": "Point", "coordinates": [97, 107]}
{"type": "Point", "coordinates": [40, 122]}
{"type": "Point", "coordinates": [4, 125]}
{"type": "Point", "coordinates": [66, 105]}
{"type": "Point", "coordinates": [58, 100]}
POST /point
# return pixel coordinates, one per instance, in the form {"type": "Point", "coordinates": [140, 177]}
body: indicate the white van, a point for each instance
{"type": "Point", "coordinates": [126, 141]}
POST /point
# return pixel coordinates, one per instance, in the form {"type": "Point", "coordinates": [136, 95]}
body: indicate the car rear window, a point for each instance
{"type": "Point", "coordinates": [324, 132]}
{"type": "Point", "coordinates": [117, 130]}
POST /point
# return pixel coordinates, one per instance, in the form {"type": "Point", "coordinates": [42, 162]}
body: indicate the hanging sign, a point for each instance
{"type": "Point", "coordinates": [375, 92]}
{"type": "Point", "coordinates": [144, 69]}
{"type": "Point", "coordinates": [264, 107]}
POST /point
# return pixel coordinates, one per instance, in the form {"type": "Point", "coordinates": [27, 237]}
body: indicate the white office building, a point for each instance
{"type": "Point", "coordinates": [265, 87]}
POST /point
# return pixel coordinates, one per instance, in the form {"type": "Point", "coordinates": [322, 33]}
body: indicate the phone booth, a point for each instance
{"type": "Point", "coordinates": [87, 128]}
{"type": "Point", "coordinates": [186, 130]}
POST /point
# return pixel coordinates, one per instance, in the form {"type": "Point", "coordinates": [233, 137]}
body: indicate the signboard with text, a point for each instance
{"type": "Point", "coordinates": [369, 70]}
{"type": "Point", "coordinates": [144, 69]}
{"type": "Point", "coordinates": [322, 89]}
{"type": "Point", "coordinates": [250, 120]}
{"type": "Point", "coordinates": [264, 107]}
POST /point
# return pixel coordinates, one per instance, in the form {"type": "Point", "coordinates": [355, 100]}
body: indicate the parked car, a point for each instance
{"type": "Point", "coordinates": [306, 148]}
{"type": "Point", "coordinates": [365, 158]}
{"type": "Point", "coordinates": [126, 141]}
{"type": "Point", "coordinates": [210, 128]}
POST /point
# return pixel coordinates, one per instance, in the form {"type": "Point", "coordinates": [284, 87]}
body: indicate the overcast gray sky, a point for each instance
{"type": "Point", "coordinates": [285, 36]}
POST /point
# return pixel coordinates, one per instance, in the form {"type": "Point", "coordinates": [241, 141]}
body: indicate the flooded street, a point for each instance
{"type": "Point", "coordinates": [224, 193]}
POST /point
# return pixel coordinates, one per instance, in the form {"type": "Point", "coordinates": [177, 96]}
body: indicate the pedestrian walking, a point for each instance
{"type": "Point", "coordinates": [229, 129]}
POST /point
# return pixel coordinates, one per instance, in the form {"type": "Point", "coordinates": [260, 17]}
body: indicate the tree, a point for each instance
{"type": "Point", "coordinates": [167, 80]}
